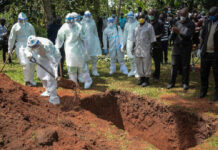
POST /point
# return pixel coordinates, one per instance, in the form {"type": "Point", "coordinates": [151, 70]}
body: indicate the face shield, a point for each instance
{"type": "Point", "coordinates": [110, 22]}
{"type": "Point", "coordinates": [130, 17]}
{"type": "Point", "coordinates": [22, 18]}
{"type": "Point", "coordinates": [87, 16]}
{"type": "Point", "coordinates": [22, 21]}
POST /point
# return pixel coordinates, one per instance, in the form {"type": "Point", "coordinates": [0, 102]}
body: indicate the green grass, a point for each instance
{"type": "Point", "coordinates": [122, 82]}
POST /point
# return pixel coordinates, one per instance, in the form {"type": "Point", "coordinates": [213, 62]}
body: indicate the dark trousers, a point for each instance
{"type": "Point", "coordinates": [164, 54]}
{"type": "Point", "coordinates": [209, 61]}
{"type": "Point", "coordinates": [157, 60]}
{"type": "Point", "coordinates": [180, 62]}
{"type": "Point", "coordinates": [62, 60]}
{"type": "Point", "coordinates": [5, 50]}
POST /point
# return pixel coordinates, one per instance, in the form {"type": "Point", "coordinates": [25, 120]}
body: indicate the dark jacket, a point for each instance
{"type": "Point", "coordinates": [53, 31]}
{"type": "Point", "coordinates": [183, 40]}
{"type": "Point", "coordinates": [159, 30]}
{"type": "Point", "coordinates": [205, 34]}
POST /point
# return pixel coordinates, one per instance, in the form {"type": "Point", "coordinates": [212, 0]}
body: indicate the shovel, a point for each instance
{"type": "Point", "coordinates": [62, 82]}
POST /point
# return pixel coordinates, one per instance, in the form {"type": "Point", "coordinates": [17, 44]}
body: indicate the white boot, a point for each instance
{"type": "Point", "coordinates": [73, 77]}
{"type": "Point", "coordinates": [88, 80]}
{"type": "Point", "coordinates": [45, 94]}
{"type": "Point", "coordinates": [94, 66]}
{"type": "Point", "coordinates": [124, 69]}
{"type": "Point", "coordinates": [112, 68]}
{"type": "Point", "coordinates": [88, 84]}
{"type": "Point", "coordinates": [54, 100]}
{"type": "Point", "coordinates": [133, 68]}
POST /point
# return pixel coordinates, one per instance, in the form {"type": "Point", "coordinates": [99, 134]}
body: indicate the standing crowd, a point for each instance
{"type": "Point", "coordinates": [143, 36]}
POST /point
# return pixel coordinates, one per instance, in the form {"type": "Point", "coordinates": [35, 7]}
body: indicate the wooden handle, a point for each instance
{"type": "Point", "coordinates": [9, 55]}
{"type": "Point", "coordinates": [61, 74]}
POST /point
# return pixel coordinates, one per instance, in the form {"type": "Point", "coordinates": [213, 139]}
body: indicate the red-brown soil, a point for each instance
{"type": "Point", "coordinates": [111, 120]}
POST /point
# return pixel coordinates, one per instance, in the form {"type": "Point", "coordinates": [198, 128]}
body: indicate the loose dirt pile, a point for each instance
{"type": "Point", "coordinates": [111, 120]}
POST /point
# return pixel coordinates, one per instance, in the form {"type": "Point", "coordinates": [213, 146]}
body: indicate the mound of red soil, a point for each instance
{"type": "Point", "coordinates": [28, 121]}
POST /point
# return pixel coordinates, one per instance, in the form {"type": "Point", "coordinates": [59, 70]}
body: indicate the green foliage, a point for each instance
{"type": "Point", "coordinates": [35, 12]}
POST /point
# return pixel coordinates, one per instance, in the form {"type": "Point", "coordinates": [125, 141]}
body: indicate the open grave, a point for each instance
{"type": "Point", "coordinates": [28, 121]}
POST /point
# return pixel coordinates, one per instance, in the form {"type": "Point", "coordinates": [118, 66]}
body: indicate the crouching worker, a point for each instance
{"type": "Point", "coordinates": [143, 38]}
{"type": "Point", "coordinates": [45, 53]}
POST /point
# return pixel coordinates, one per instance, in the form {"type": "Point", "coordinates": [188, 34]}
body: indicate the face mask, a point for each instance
{"type": "Point", "coordinates": [87, 19]}
{"type": "Point", "coordinates": [70, 24]}
{"type": "Point", "coordinates": [212, 18]}
{"type": "Point", "coordinates": [151, 18]}
{"type": "Point", "coordinates": [169, 12]}
{"type": "Point", "coordinates": [182, 18]}
{"type": "Point", "coordinates": [141, 20]}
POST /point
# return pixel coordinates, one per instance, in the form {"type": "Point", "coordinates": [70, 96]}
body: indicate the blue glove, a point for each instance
{"type": "Point", "coordinates": [105, 51]}
{"type": "Point", "coordinates": [120, 46]}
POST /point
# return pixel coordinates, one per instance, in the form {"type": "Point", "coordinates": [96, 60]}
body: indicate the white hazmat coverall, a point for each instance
{"type": "Point", "coordinates": [114, 38]}
{"type": "Point", "coordinates": [19, 34]}
{"type": "Point", "coordinates": [72, 36]}
{"type": "Point", "coordinates": [92, 43]}
{"type": "Point", "coordinates": [128, 41]}
{"type": "Point", "coordinates": [49, 57]}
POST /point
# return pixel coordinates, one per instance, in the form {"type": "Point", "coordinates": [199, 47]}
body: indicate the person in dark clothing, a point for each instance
{"type": "Point", "coordinates": [165, 38]}
{"type": "Point", "coordinates": [209, 52]}
{"type": "Point", "coordinates": [52, 35]}
{"type": "Point", "coordinates": [159, 32]}
{"type": "Point", "coordinates": [101, 25]}
{"type": "Point", "coordinates": [4, 39]}
{"type": "Point", "coordinates": [182, 34]}
{"type": "Point", "coordinates": [139, 11]}
{"type": "Point", "coordinates": [196, 35]}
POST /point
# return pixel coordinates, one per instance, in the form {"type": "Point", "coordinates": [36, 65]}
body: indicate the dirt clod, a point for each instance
{"type": "Point", "coordinates": [46, 136]}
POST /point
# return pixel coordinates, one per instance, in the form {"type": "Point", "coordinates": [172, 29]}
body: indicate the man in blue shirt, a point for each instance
{"type": "Point", "coordinates": [122, 21]}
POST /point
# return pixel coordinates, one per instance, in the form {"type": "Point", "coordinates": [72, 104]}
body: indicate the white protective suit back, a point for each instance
{"type": "Point", "coordinates": [73, 37]}
{"type": "Point", "coordinates": [92, 43]}
{"type": "Point", "coordinates": [20, 33]}
{"type": "Point", "coordinates": [128, 36]}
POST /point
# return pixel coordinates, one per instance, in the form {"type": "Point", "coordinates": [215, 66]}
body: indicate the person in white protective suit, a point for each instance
{"type": "Point", "coordinates": [92, 43]}
{"type": "Point", "coordinates": [77, 18]}
{"type": "Point", "coordinates": [128, 41]}
{"type": "Point", "coordinates": [114, 37]}
{"type": "Point", "coordinates": [72, 35]}
{"type": "Point", "coordinates": [20, 31]}
{"type": "Point", "coordinates": [49, 57]}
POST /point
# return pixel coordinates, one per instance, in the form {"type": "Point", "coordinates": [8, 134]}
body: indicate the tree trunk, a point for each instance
{"type": "Point", "coordinates": [49, 12]}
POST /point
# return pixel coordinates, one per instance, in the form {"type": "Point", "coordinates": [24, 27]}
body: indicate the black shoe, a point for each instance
{"type": "Point", "coordinates": [28, 84]}
{"type": "Point", "coordinates": [185, 87]}
{"type": "Point", "coordinates": [170, 86]}
{"type": "Point", "coordinates": [141, 80]}
{"type": "Point", "coordinates": [202, 94]}
{"type": "Point", "coordinates": [215, 98]}
{"type": "Point", "coordinates": [145, 83]}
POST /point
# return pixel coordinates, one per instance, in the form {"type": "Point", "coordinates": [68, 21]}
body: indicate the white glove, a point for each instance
{"type": "Point", "coordinates": [9, 51]}
{"type": "Point", "coordinates": [199, 53]}
{"type": "Point", "coordinates": [122, 50]}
